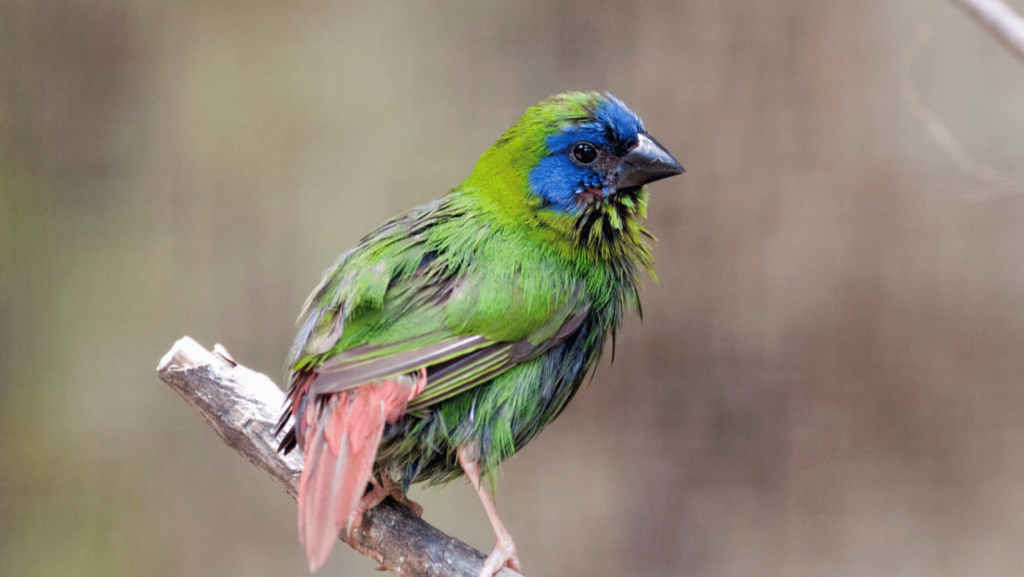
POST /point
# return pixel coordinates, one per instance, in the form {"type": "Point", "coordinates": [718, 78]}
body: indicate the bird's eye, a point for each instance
{"type": "Point", "coordinates": [584, 152]}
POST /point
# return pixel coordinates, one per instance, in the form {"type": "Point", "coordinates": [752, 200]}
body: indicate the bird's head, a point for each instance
{"type": "Point", "coordinates": [576, 150]}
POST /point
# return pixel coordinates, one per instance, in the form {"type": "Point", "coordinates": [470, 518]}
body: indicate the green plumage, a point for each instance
{"type": "Point", "coordinates": [503, 295]}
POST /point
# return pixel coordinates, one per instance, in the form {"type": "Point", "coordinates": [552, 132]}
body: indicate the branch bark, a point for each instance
{"type": "Point", "coordinates": [999, 19]}
{"type": "Point", "coordinates": [242, 406]}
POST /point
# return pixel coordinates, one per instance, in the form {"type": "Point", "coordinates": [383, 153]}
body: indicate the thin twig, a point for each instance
{"type": "Point", "coordinates": [242, 407]}
{"type": "Point", "coordinates": [942, 135]}
{"type": "Point", "coordinates": [997, 185]}
{"type": "Point", "coordinates": [999, 19]}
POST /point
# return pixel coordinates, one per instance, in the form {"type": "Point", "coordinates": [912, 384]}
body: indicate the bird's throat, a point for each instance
{"type": "Point", "coordinates": [608, 228]}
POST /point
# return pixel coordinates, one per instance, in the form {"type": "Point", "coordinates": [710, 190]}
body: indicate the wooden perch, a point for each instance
{"type": "Point", "coordinates": [999, 20]}
{"type": "Point", "coordinates": [242, 406]}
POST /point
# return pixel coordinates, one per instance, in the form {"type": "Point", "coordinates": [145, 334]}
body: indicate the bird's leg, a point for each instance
{"type": "Point", "coordinates": [377, 493]}
{"type": "Point", "coordinates": [504, 552]}
{"type": "Point", "coordinates": [371, 499]}
{"type": "Point", "coordinates": [395, 490]}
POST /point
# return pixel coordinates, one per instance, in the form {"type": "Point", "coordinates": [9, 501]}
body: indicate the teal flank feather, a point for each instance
{"type": "Point", "coordinates": [501, 294]}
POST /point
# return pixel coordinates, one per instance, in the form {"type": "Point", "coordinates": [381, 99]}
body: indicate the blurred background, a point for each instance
{"type": "Point", "coordinates": [830, 379]}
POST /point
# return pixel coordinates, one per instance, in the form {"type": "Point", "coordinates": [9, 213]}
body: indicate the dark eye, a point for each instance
{"type": "Point", "coordinates": [584, 152]}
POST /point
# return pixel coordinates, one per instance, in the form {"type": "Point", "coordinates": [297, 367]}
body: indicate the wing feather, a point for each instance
{"type": "Point", "coordinates": [478, 367]}
{"type": "Point", "coordinates": [352, 368]}
{"type": "Point", "coordinates": [410, 297]}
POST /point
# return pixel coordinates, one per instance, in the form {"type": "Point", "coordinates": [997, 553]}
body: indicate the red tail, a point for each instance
{"type": "Point", "coordinates": [340, 448]}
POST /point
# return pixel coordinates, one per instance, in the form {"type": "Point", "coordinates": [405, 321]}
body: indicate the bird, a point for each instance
{"type": "Point", "coordinates": [451, 335]}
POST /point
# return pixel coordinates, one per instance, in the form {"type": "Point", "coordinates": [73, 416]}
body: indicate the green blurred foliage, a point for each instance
{"type": "Point", "coordinates": [829, 379]}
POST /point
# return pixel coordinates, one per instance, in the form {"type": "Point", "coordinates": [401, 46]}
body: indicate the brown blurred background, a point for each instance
{"type": "Point", "coordinates": [830, 379]}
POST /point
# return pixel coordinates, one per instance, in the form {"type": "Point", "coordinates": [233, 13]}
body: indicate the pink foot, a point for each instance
{"type": "Point", "coordinates": [504, 553]}
{"type": "Point", "coordinates": [371, 499]}
{"type": "Point", "coordinates": [395, 490]}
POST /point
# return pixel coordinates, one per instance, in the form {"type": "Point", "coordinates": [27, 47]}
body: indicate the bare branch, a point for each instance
{"type": "Point", "coordinates": [242, 407]}
{"type": "Point", "coordinates": [999, 19]}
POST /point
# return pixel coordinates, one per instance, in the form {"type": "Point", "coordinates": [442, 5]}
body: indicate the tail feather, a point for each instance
{"type": "Point", "coordinates": [339, 457]}
{"type": "Point", "coordinates": [317, 530]}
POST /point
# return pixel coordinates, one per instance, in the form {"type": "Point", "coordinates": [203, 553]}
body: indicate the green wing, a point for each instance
{"type": "Point", "coordinates": [434, 288]}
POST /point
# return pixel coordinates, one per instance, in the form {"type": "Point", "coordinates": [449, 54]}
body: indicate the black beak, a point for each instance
{"type": "Point", "coordinates": [647, 162]}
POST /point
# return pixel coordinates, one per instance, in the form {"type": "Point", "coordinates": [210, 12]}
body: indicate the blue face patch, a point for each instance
{"type": "Point", "coordinates": [621, 122]}
{"type": "Point", "coordinates": [558, 179]}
